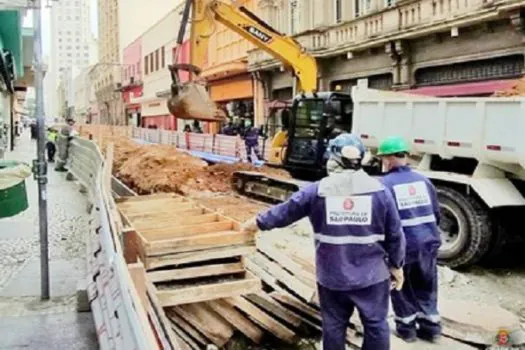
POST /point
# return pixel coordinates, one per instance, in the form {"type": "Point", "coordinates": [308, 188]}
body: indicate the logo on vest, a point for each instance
{"type": "Point", "coordinates": [348, 204]}
{"type": "Point", "coordinates": [412, 195]}
{"type": "Point", "coordinates": [356, 210]}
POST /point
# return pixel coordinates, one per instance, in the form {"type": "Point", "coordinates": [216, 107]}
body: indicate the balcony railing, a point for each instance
{"type": "Point", "coordinates": [406, 19]}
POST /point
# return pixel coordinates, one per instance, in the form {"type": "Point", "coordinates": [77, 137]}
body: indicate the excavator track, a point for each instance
{"type": "Point", "coordinates": [265, 188]}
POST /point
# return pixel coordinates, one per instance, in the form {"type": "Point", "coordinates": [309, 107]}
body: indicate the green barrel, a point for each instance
{"type": "Point", "coordinates": [13, 199]}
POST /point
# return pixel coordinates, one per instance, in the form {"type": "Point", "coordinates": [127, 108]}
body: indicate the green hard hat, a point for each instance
{"type": "Point", "coordinates": [393, 145]}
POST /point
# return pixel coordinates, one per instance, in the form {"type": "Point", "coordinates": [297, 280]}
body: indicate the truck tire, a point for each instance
{"type": "Point", "coordinates": [465, 226]}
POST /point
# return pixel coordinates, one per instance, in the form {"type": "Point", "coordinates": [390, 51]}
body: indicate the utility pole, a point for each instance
{"type": "Point", "coordinates": [40, 164]}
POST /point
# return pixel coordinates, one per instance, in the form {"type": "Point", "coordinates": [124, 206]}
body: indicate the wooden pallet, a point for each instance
{"type": "Point", "coordinates": [191, 254]}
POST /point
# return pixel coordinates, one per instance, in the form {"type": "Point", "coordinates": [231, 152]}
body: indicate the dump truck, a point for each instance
{"type": "Point", "coordinates": [473, 150]}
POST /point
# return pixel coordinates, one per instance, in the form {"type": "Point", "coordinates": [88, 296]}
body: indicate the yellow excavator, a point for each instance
{"type": "Point", "coordinates": [316, 117]}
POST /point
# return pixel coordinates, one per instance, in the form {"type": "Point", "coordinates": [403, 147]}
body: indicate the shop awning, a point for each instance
{"type": "Point", "coordinates": [465, 89]}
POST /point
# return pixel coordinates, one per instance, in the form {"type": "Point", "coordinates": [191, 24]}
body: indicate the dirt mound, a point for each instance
{"type": "Point", "coordinates": [162, 168]}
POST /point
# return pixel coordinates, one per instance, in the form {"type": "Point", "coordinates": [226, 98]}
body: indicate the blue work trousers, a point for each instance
{"type": "Point", "coordinates": [337, 308]}
{"type": "Point", "coordinates": [415, 306]}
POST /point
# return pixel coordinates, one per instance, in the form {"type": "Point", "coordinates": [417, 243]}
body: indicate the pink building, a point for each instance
{"type": "Point", "coordinates": [132, 80]}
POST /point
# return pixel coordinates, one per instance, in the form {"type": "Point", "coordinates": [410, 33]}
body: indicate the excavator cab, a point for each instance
{"type": "Point", "coordinates": [316, 119]}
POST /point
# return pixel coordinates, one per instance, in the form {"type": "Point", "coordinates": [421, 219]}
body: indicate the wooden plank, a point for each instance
{"type": "Point", "coordinates": [178, 210]}
{"type": "Point", "coordinates": [297, 286]}
{"type": "Point", "coordinates": [160, 205]}
{"type": "Point", "coordinates": [296, 304]}
{"type": "Point", "coordinates": [185, 326]}
{"type": "Point", "coordinates": [164, 215]}
{"type": "Point", "coordinates": [240, 322]}
{"type": "Point", "coordinates": [194, 294]}
{"type": "Point", "coordinates": [175, 222]}
{"type": "Point", "coordinates": [263, 275]}
{"type": "Point", "coordinates": [265, 302]}
{"type": "Point", "coordinates": [186, 341]}
{"type": "Point", "coordinates": [145, 197]}
{"type": "Point", "coordinates": [153, 200]}
{"type": "Point", "coordinates": [167, 208]}
{"type": "Point", "coordinates": [195, 272]}
{"type": "Point", "coordinates": [287, 263]}
{"type": "Point", "coordinates": [154, 262]}
{"type": "Point", "coordinates": [209, 240]}
{"type": "Point", "coordinates": [213, 326]}
{"type": "Point", "coordinates": [138, 276]}
{"type": "Point", "coordinates": [155, 304]}
{"type": "Point", "coordinates": [186, 230]}
{"type": "Point", "coordinates": [133, 246]}
{"type": "Point", "coordinates": [263, 319]}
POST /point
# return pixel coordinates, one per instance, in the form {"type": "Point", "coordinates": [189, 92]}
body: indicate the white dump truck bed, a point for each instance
{"type": "Point", "coordinates": [487, 129]}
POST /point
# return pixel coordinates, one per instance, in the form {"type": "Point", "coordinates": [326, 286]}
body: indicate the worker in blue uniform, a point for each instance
{"type": "Point", "coordinates": [359, 244]}
{"type": "Point", "coordinates": [415, 306]}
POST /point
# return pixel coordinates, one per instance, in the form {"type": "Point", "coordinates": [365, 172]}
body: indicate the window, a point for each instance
{"type": "Point", "coordinates": [339, 11]}
{"type": "Point", "coordinates": [156, 60]}
{"type": "Point", "coordinates": [163, 59]}
{"type": "Point", "coordinates": [294, 17]}
{"type": "Point", "coordinates": [146, 70]}
{"type": "Point", "coordinates": [389, 3]}
{"type": "Point", "coordinates": [151, 63]}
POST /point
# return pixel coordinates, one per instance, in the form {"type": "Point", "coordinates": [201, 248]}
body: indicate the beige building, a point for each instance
{"type": "Point", "coordinates": [438, 47]}
{"type": "Point", "coordinates": [84, 94]}
{"type": "Point", "coordinates": [106, 73]}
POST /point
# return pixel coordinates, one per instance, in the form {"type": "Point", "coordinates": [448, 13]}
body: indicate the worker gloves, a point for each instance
{"type": "Point", "coordinates": [398, 278]}
{"type": "Point", "coordinates": [250, 226]}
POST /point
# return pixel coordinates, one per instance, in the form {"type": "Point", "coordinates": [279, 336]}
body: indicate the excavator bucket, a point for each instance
{"type": "Point", "coordinates": [190, 100]}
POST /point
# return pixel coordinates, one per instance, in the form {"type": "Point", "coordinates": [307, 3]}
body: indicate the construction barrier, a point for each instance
{"type": "Point", "coordinates": [120, 318]}
{"type": "Point", "coordinates": [221, 145]}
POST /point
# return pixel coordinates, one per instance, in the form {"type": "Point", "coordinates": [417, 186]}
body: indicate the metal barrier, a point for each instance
{"type": "Point", "coordinates": [121, 321]}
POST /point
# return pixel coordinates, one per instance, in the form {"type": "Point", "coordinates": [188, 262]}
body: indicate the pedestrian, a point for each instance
{"type": "Point", "coordinates": [251, 140]}
{"type": "Point", "coordinates": [358, 240]}
{"type": "Point", "coordinates": [187, 128]}
{"type": "Point", "coordinates": [228, 129]}
{"type": "Point", "coordinates": [51, 144]}
{"type": "Point", "coordinates": [34, 131]}
{"type": "Point", "coordinates": [415, 305]}
{"type": "Point", "coordinates": [196, 128]}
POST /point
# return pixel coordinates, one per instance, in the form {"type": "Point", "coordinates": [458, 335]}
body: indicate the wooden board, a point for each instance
{"type": "Point", "coordinates": [263, 319]}
{"type": "Point", "coordinates": [195, 272]}
{"type": "Point", "coordinates": [240, 322]}
{"type": "Point", "coordinates": [185, 326]}
{"type": "Point", "coordinates": [207, 321]}
{"type": "Point", "coordinates": [153, 262]}
{"type": "Point", "coordinates": [154, 196]}
{"type": "Point", "coordinates": [209, 291]}
{"type": "Point", "coordinates": [264, 301]}
{"type": "Point", "coordinates": [154, 223]}
{"type": "Point", "coordinates": [191, 243]}
{"type": "Point", "coordinates": [170, 232]}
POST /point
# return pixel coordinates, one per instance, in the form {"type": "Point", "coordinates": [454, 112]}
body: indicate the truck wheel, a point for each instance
{"type": "Point", "coordinates": [465, 227]}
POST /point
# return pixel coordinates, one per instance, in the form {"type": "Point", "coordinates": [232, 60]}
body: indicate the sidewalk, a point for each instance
{"type": "Point", "coordinates": [25, 321]}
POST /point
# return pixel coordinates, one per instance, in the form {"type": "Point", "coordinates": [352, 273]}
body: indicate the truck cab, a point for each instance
{"type": "Point", "coordinates": [317, 118]}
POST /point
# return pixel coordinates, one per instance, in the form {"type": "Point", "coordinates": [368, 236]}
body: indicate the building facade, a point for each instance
{"type": "Point", "coordinates": [231, 85]}
{"type": "Point", "coordinates": [106, 72]}
{"type": "Point", "coordinates": [435, 47]}
{"type": "Point", "coordinates": [158, 45]}
{"type": "Point", "coordinates": [84, 96]}
{"type": "Point", "coordinates": [71, 40]}
{"type": "Point", "coordinates": [131, 85]}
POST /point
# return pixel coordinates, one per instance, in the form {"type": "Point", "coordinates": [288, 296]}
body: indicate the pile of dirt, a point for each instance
{"type": "Point", "coordinates": [518, 89]}
{"type": "Point", "coordinates": [162, 168]}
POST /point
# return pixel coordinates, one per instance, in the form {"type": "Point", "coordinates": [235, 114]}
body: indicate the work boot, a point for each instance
{"type": "Point", "coordinates": [426, 336]}
{"type": "Point", "coordinates": [412, 338]}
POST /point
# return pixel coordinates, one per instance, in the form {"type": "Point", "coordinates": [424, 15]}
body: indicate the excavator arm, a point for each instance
{"type": "Point", "coordinates": [205, 15]}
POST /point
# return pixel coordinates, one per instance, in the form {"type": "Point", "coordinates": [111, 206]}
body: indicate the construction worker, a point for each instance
{"type": "Point", "coordinates": [251, 140]}
{"type": "Point", "coordinates": [50, 144]}
{"type": "Point", "coordinates": [415, 306]}
{"type": "Point", "coordinates": [358, 239]}
{"type": "Point", "coordinates": [67, 132]}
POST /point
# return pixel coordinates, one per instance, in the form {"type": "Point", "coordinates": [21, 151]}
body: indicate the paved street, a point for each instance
{"type": "Point", "coordinates": [25, 321]}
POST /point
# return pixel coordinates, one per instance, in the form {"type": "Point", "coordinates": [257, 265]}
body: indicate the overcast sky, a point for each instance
{"type": "Point", "coordinates": [46, 24]}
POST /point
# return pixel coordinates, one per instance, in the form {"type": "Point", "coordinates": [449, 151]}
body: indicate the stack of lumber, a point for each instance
{"type": "Point", "coordinates": [194, 262]}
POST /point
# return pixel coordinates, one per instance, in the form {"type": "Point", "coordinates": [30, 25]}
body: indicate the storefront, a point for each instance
{"type": "Point", "coordinates": [155, 114]}
{"type": "Point", "coordinates": [379, 82]}
{"type": "Point", "coordinates": [132, 110]}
